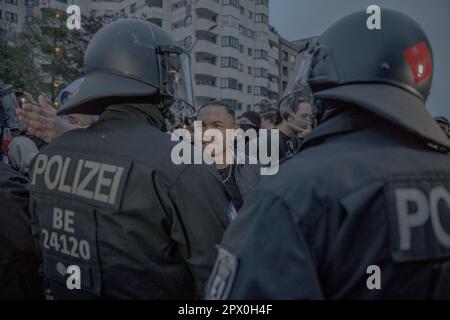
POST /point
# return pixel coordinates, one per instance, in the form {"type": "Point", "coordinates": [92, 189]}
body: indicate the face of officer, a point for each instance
{"type": "Point", "coordinates": [300, 122]}
{"type": "Point", "coordinates": [218, 118]}
{"type": "Point", "coordinates": [267, 124]}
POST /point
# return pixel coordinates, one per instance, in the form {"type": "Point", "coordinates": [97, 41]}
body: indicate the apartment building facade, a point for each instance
{"type": "Point", "coordinates": [235, 52]}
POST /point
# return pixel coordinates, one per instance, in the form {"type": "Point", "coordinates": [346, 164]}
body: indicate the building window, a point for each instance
{"type": "Point", "coordinates": [229, 62]}
{"type": "Point", "coordinates": [250, 52]}
{"type": "Point", "coordinates": [10, 17]}
{"type": "Point", "coordinates": [205, 81]}
{"type": "Point", "coordinates": [231, 103]}
{"type": "Point", "coordinates": [234, 3]}
{"type": "Point", "coordinates": [249, 89]}
{"type": "Point", "coordinates": [242, 9]}
{"type": "Point", "coordinates": [228, 83]}
{"type": "Point", "coordinates": [261, 73]}
{"type": "Point", "coordinates": [228, 41]}
{"type": "Point", "coordinates": [11, 2]}
{"type": "Point", "coordinates": [250, 70]}
{"type": "Point", "coordinates": [29, 19]}
{"type": "Point", "coordinates": [29, 3]}
{"type": "Point", "coordinates": [261, 54]}
{"type": "Point", "coordinates": [183, 23]}
{"type": "Point", "coordinates": [188, 21]}
{"type": "Point", "coordinates": [94, 13]}
{"type": "Point", "coordinates": [231, 21]}
{"type": "Point", "coordinates": [133, 8]}
{"type": "Point", "coordinates": [261, 91]}
{"type": "Point", "coordinates": [263, 2]}
{"type": "Point", "coordinates": [187, 42]}
{"type": "Point", "coordinates": [154, 3]}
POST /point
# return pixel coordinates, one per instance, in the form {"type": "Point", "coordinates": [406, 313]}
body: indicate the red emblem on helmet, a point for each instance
{"type": "Point", "coordinates": [420, 62]}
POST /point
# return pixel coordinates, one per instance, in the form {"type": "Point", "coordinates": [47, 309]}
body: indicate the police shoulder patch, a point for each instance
{"type": "Point", "coordinates": [222, 277]}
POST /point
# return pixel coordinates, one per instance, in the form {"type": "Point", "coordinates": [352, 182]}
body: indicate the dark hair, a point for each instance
{"type": "Point", "coordinates": [219, 104]}
{"type": "Point", "coordinates": [271, 115]}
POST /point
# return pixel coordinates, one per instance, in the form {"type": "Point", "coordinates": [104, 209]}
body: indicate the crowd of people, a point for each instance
{"type": "Point", "coordinates": [93, 185]}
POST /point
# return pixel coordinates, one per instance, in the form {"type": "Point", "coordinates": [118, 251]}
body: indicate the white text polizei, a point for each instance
{"type": "Point", "coordinates": [92, 180]}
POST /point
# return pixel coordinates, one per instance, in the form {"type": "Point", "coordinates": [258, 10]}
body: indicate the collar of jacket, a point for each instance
{"type": "Point", "coordinates": [337, 122]}
{"type": "Point", "coordinates": [148, 113]}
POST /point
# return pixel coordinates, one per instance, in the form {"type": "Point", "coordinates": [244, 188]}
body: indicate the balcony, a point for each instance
{"type": "Point", "coordinates": [206, 68]}
{"type": "Point", "coordinates": [202, 100]}
{"type": "Point", "coordinates": [202, 90]}
{"type": "Point", "coordinates": [202, 24]}
{"type": "Point", "coordinates": [205, 46]}
{"type": "Point", "coordinates": [213, 6]}
{"type": "Point", "coordinates": [206, 13]}
{"type": "Point", "coordinates": [227, 93]}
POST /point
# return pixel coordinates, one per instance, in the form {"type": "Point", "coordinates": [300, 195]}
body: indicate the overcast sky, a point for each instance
{"type": "Point", "coordinates": [297, 19]}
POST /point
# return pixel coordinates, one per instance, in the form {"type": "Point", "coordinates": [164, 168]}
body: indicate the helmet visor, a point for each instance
{"type": "Point", "coordinates": [296, 104]}
{"type": "Point", "coordinates": [176, 81]}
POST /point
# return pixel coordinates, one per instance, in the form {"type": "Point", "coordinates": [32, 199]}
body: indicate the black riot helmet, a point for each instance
{"type": "Point", "coordinates": [386, 71]}
{"type": "Point", "coordinates": [133, 61]}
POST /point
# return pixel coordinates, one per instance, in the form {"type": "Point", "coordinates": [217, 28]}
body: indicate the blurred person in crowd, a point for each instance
{"type": "Point", "coordinates": [145, 228]}
{"type": "Point", "coordinates": [240, 179]}
{"type": "Point", "coordinates": [238, 122]}
{"type": "Point", "coordinates": [42, 121]}
{"type": "Point", "coordinates": [268, 120]}
{"type": "Point", "coordinates": [250, 120]}
{"type": "Point", "coordinates": [20, 154]}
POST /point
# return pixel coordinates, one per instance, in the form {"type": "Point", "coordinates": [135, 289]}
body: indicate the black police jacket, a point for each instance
{"type": "Point", "coordinates": [19, 264]}
{"type": "Point", "coordinates": [362, 212]}
{"type": "Point", "coordinates": [114, 213]}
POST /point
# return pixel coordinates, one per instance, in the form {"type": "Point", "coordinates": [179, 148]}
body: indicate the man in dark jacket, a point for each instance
{"type": "Point", "coordinates": [363, 211]}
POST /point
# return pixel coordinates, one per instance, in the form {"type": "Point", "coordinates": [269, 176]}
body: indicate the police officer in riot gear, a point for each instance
{"type": "Point", "coordinates": [114, 217]}
{"type": "Point", "coordinates": [363, 211]}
